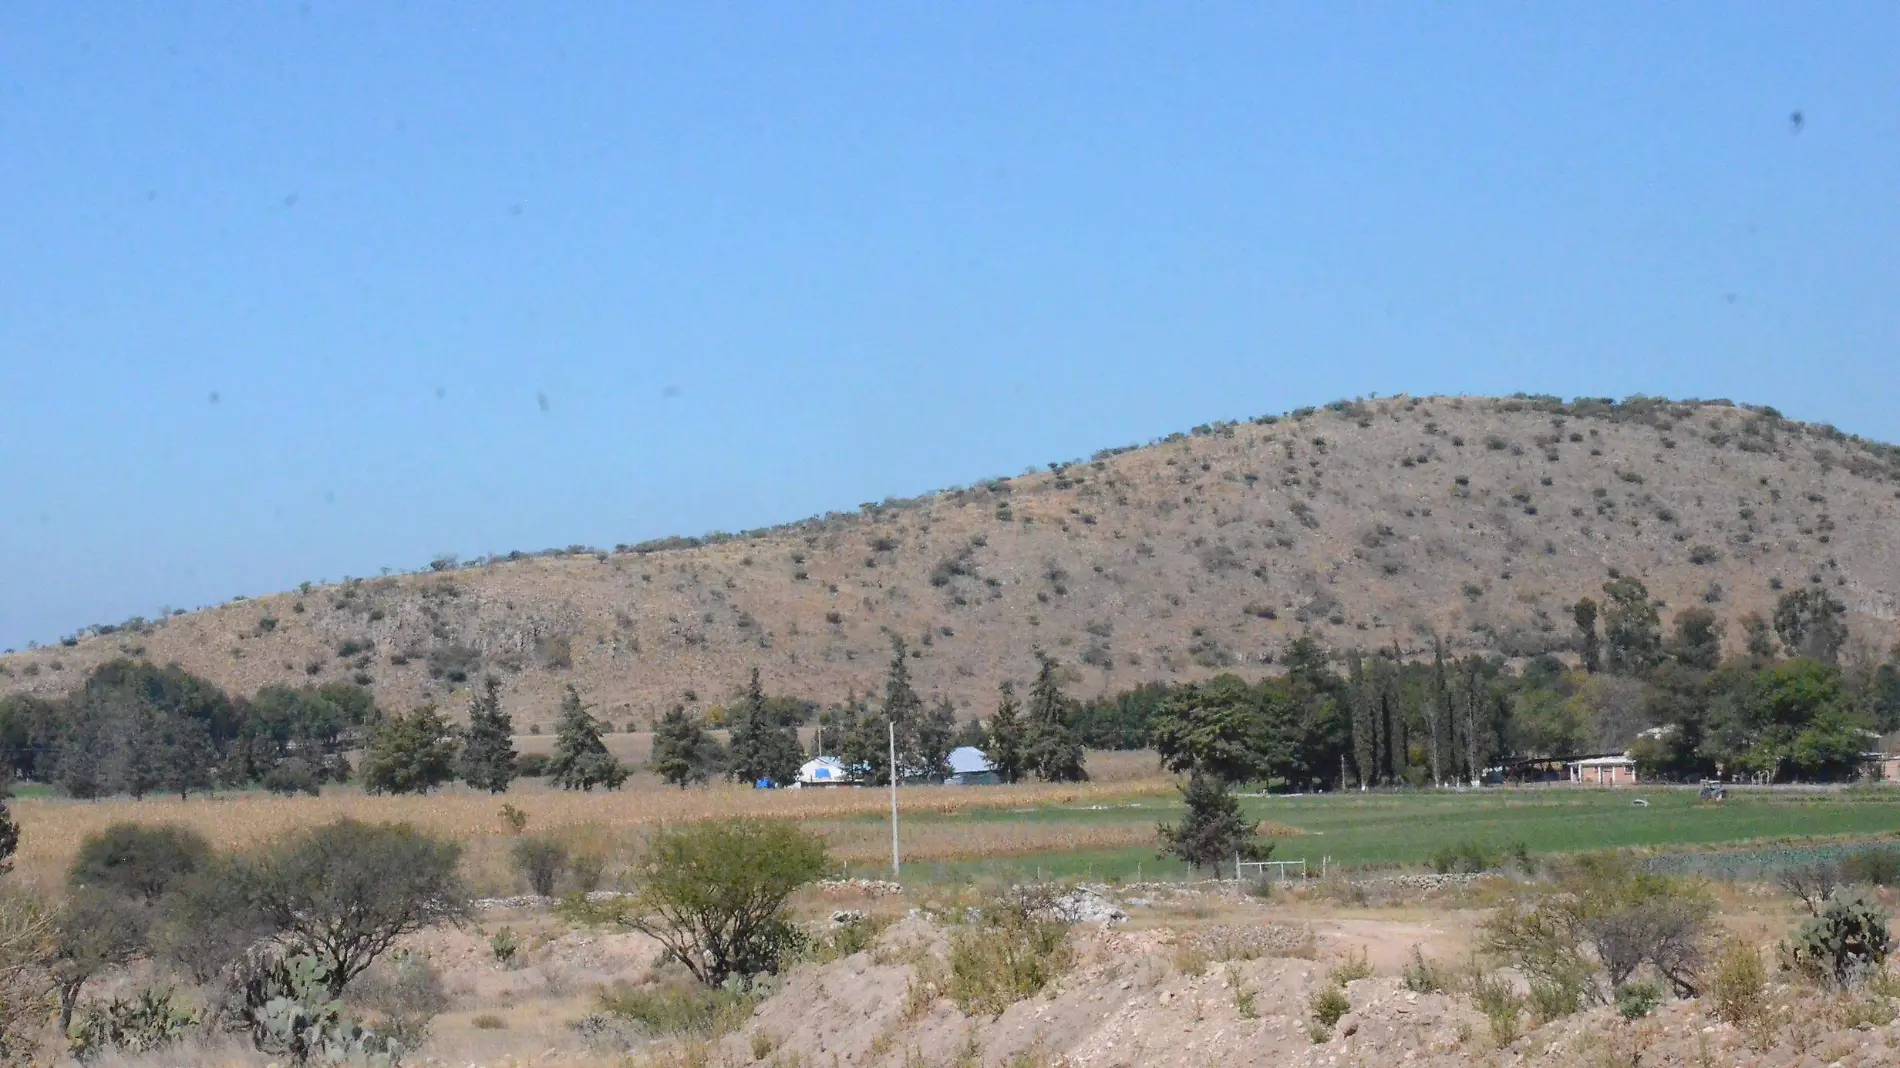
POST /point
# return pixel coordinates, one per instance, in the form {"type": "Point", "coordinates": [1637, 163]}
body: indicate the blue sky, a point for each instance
{"type": "Point", "coordinates": [293, 291]}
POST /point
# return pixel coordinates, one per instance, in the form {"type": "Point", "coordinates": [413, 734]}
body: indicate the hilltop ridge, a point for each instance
{"type": "Point", "coordinates": [1368, 523]}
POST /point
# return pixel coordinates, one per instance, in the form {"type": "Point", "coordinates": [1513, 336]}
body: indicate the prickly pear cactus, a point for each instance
{"type": "Point", "coordinates": [1845, 943]}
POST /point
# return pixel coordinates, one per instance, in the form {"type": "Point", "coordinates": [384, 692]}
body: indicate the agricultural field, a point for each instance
{"type": "Point", "coordinates": [1103, 830]}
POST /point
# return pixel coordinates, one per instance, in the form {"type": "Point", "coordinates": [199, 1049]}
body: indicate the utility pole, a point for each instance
{"type": "Point", "coordinates": [894, 862]}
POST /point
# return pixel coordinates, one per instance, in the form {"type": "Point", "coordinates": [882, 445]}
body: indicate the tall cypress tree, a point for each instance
{"type": "Point", "coordinates": [1054, 751]}
{"type": "Point", "coordinates": [1365, 735]}
{"type": "Point", "coordinates": [581, 760]}
{"type": "Point", "coordinates": [1440, 710]}
{"type": "Point", "coordinates": [1589, 646]}
{"type": "Point", "coordinates": [488, 747]}
{"type": "Point", "coordinates": [684, 752]}
{"type": "Point", "coordinates": [1003, 737]}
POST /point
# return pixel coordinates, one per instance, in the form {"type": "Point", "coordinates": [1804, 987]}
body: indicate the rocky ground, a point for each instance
{"type": "Point", "coordinates": [1161, 976]}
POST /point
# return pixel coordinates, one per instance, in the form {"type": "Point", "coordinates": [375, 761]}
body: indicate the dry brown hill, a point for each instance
{"type": "Point", "coordinates": [1368, 523]}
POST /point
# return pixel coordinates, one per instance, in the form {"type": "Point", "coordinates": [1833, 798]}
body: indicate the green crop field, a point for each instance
{"type": "Point", "coordinates": [1361, 830]}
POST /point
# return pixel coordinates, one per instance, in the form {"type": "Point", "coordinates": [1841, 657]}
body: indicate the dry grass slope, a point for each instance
{"type": "Point", "coordinates": [1371, 524]}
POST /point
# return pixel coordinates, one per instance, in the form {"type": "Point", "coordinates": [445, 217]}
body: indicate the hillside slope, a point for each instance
{"type": "Point", "coordinates": [1368, 523]}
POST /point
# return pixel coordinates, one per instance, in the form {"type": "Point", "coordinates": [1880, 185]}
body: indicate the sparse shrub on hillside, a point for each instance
{"type": "Point", "coordinates": [1738, 986]}
{"type": "Point", "coordinates": [152, 1020]}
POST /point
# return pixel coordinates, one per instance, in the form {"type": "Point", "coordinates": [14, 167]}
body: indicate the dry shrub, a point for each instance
{"type": "Point", "coordinates": [1353, 968]}
{"type": "Point", "coordinates": [1738, 984]}
{"type": "Point", "coordinates": [1011, 951]}
{"type": "Point", "coordinates": [1500, 1004]}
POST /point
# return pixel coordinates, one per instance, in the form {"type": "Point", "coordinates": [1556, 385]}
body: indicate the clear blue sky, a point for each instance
{"type": "Point", "coordinates": [470, 277]}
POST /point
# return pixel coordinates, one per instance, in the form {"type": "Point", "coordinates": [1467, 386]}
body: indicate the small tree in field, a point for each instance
{"type": "Point", "coordinates": [1213, 831]}
{"type": "Point", "coordinates": [9, 838]}
{"type": "Point", "coordinates": [714, 894]}
{"type": "Point", "coordinates": [683, 752]}
{"type": "Point", "coordinates": [488, 748]}
{"type": "Point", "coordinates": [346, 891]}
{"type": "Point", "coordinates": [581, 760]}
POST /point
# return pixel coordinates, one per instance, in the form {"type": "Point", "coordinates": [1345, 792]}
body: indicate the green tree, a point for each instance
{"type": "Point", "coordinates": [1632, 629]}
{"type": "Point", "coordinates": [1213, 831]}
{"type": "Point", "coordinates": [1811, 624]}
{"type": "Point", "coordinates": [186, 755]}
{"type": "Point", "coordinates": [1697, 639]}
{"type": "Point", "coordinates": [713, 895]}
{"type": "Point", "coordinates": [488, 746]}
{"type": "Point", "coordinates": [1005, 742]}
{"type": "Point", "coordinates": [345, 892]}
{"type": "Point", "coordinates": [581, 760]}
{"type": "Point", "coordinates": [138, 862]}
{"type": "Point", "coordinates": [763, 747]}
{"type": "Point", "coordinates": [933, 737]}
{"type": "Point", "coordinates": [1051, 747]}
{"type": "Point", "coordinates": [1213, 728]}
{"type": "Point", "coordinates": [1589, 646]}
{"type": "Point", "coordinates": [684, 752]}
{"type": "Point", "coordinates": [410, 754]}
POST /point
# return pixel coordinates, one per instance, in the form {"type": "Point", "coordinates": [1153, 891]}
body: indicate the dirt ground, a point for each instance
{"type": "Point", "coordinates": [1193, 978]}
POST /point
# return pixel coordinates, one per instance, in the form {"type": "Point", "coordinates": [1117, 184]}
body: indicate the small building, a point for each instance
{"type": "Point", "coordinates": [969, 767]}
{"type": "Point", "coordinates": [1604, 771]}
{"type": "Point", "coordinates": [824, 771]}
{"type": "Point", "coordinates": [1880, 767]}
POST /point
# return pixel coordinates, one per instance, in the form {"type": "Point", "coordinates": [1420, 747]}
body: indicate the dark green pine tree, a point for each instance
{"type": "Point", "coordinates": [141, 750]}
{"type": "Point", "coordinates": [1052, 749]}
{"type": "Point", "coordinates": [763, 747]}
{"type": "Point", "coordinates": [684, 753]}
{"type": "Point", "coordinates": [488, 746]}
{"type": "Point", "coordinates": [1213, 830]}
{"type": "Point", "coordinates": [933, 738]}
{"type": "Point", "coordinates": [1004, 737]}
{"type": "Point", "coordinates": [970, 732]}
{"type": "Point", "coordinates": [581, 760]}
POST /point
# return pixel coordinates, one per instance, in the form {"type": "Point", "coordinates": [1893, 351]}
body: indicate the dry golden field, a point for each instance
{"type": "Point", "coordinates": [611, 824]}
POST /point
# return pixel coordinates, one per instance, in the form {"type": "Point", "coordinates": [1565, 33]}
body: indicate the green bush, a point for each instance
{"type": "Point", "coordinates": [1012, 950]}
{"type": "Point", "coordinates": [137, 861]}
{"type": "Point", "coordinates": [1466, 857]}
{"type": "Point", "coordinates": [1638, 999]}
{"type": "Point", "coordinates": [532, 765]}
{"type": "Point", "coordinates": [1327, 1005]}
{"type": "Point", "coordinates": [1421, 975]}
{"type": "Point", "coordinates": [713, 895]}
{"type": "Point", "coordinates": [1846, 943]}
{"type": "Point", "coordinates": [1500, 1005]}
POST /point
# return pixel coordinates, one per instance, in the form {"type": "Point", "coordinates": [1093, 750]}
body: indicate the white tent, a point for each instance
{"type": "Point", "coordinates": [824, 771]}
